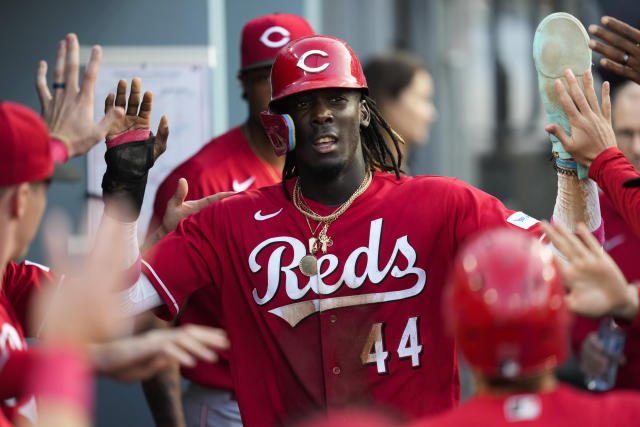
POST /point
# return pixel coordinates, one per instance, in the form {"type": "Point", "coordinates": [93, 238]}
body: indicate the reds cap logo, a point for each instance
{"type": "Point", "coordinates": [301, 62]}
{"type": "Point", "coordinates": [265, 38]}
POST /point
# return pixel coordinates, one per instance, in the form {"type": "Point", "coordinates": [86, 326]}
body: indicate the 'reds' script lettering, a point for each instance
{"type": "Point", "coordinates": [327, 264]}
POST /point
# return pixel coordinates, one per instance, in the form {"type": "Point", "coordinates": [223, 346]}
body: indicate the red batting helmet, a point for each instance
{"type": "Point", "coordinates": [315, 62]}
{"type": "Point", "coordinates": [312, 62]}
{"type": "Point", "coordinates": [505, 303]}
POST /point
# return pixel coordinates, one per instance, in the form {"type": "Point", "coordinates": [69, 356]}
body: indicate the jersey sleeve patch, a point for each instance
{"type": "Point", "coordinates": [522, 220]}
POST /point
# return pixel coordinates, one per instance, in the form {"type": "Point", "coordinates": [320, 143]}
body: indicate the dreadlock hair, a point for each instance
{"type": "Point", "coordinates": [377, 153]}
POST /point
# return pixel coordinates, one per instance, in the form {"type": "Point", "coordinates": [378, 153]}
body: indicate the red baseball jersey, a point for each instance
{"type": "Point", "coordinates": [367, 329]}
{"type": "Point", "coordinates": [623, 246]}
{"type": "Point", "coordinates": [18, 284]}
{"type": "Point", "coordinates": [227, 163]}
{"type": "Point", "coordinates": [610, 170]}
{"type": "Point", "coordinates": [561, 407]}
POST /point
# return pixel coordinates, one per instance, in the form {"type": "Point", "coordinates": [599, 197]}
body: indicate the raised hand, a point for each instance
{"type": "Point", "coordinates": [591, 130]}
{"type": "Point", "coordinates": [596, 285]}
{"type": "Point", "coordinates": [178, 209]}
{"type": "Point", "coordinates": [137, 115]}
{"type": "Point", "coordinates": [622, 53]}
{"type": "Point", "coordinates": [69, 112]}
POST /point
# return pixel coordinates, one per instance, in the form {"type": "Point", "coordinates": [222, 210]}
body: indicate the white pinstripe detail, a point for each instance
{"type": "Point", "coordinates": [175, 304]}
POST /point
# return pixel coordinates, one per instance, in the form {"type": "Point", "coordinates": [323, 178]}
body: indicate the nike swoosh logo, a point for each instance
{"type": "Point", "coordinates": [259, 217]}
{"type": "Point", "coordinates": [613, 242]}
{"type": "Point", "coordinates": [239, 187]}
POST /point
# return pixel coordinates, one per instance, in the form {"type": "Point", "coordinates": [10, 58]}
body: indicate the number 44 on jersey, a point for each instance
{"type": "Point", "coordinates": [374, 350]}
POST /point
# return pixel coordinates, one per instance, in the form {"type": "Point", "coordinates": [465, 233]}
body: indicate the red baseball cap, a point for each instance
{"type": "Point", "coordinates": [262, 38]}
{"type": "Point", "coordinates": [25, 148]}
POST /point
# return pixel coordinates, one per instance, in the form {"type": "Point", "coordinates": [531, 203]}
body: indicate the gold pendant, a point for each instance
{"type": "Point", "coordinates": [308, 265]}
{"type": "Point", "coordinates": [313, 245]}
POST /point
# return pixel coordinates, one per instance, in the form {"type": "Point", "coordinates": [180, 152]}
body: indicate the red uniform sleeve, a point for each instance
{"type": "Point", "coordinates": [473, 210]}
{"type": "Point", "coordinates": [20, 281]}
{"type": "Point", "coordinates": [184, 261]}
{"type": "Point", "coordinates": [610, 170]}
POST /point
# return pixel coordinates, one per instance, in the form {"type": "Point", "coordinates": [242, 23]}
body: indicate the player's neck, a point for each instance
{"type": "Point", "coordinates": [536, 384]}
{"type": "Point", "coordinates": [259, 143]}
{"type": "Point", "coordinates": [333, 191]}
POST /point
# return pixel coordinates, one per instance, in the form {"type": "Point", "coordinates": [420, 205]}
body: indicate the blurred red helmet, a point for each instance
{"type": "Point", "coordinates": [505, 305]}
{"type": "Point", "coordinates": [315, 62]}
{"type": "Point", "coordinates": [263, 37]}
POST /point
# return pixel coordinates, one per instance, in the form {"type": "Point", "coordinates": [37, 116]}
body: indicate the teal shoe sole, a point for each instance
{"type": "Point", "coordinates": [560, 42]}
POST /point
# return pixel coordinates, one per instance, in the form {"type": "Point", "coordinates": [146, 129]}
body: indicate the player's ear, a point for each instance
{"type": "Point", "coordinates": [243, 85]}
{"type": "Point", "coordinates": [365, 113]}
{"type": "Point", "coordinates": [18, 200]}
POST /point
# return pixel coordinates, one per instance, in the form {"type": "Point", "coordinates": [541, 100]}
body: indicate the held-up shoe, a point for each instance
{"type": "Point", "coordinates": [560, 42]}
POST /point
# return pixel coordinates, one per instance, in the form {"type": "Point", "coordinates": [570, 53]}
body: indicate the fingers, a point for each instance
{"type": "Point", "coordinates": [559, 132]}
{"type": "Point", "coordinates": [576, 92]}
{"type": "Point", "coordinates": [622, 44]}
{"type": "Point", "coordinates": [606, 50]}
{"type": "Point", "coordinates": [72, 65]}
{"type": "Point", "coordinates": [621, 70]}
{"type": "Point", "coordinates": [606, 100]}
{"type": "Point", "coordinates": [112, 116]}
{"type": "Point", "coordinates": [146, 106]}
{"type": "Point", "coordinates": [42, 88]}
{"type": "Point", "coordinates": [218, 196]}
{"type": "Point", "coordinates": [181, 192]}
{"type": "Point", "coordinates": [588, 239]}
{"type": "Point", "coordinates": [621, 28]}
{"type": "Point", "coordinates": [161, 137]}
{"type": "Point", "coordinates": [566, 101]}
{"type": "Point", "coordinates": [121, 94]}
{"type": "Point", "coordinates": [563, 240]}
{"type": "Point", "coordinates": [91, 73]}
{"type": "Point", "coordinates": [134, 97]}
{"type": "Point", "coordinates": [108, 102]}
{"type": "Point", "coordinates": [590, 92]}
{"type": "Point", "coordinates": [58, 69]}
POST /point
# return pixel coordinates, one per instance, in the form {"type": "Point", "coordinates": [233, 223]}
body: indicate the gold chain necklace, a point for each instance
{"type": "Point", "coordinates": [309, 263]}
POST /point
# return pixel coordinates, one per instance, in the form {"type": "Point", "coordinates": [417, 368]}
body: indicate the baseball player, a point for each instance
{"type": "Point", "coordinates": [505, 306]}
{"type": "Point", "coordinates": [238, 160]}
{"type": "Point", "coordinates": [329, 283]}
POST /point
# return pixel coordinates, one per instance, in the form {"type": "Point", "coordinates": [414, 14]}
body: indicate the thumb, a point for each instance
{"type": "Point", "coordinates": [557, 131]}
{"type": "Point", "coordinates": [111, 117]}
{"type": "Point", "coordinates": [181, 193]}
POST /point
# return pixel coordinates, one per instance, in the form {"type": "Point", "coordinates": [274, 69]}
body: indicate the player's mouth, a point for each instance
{"type": "Point", "coordinates": [325, 144]}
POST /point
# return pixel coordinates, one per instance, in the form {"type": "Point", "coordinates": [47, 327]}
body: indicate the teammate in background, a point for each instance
{"type": "Point", "coordinates": [505, 306]}
{"type": "Point", "coordinates": [331, 288]}
{"type": "Point", "coordinates": [402, 87]}
{"type": "Point", "coordinates": [240, 159]}
{"type": "Point", "coordinates": [622, 244]}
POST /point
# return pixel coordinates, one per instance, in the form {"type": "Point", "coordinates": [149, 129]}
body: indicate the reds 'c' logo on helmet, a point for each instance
{"type": "Point", "coordinates": [267, 40]}
{"type": "Point", "coordinates": [315, 62]}
{"type": "Point", "coordinates": [308, 69]}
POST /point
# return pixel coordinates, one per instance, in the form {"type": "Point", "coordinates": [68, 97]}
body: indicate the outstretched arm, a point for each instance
{"type": "Point", "coordinates": [592, 143]}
